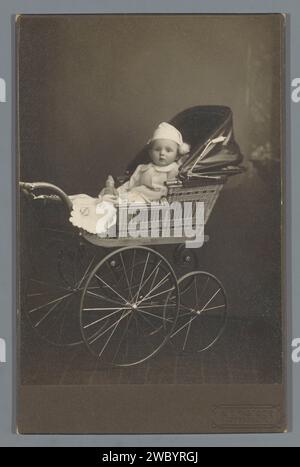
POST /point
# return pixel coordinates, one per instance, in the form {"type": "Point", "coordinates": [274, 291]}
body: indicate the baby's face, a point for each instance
{"type": "Point", "coordinates": [163, 152]}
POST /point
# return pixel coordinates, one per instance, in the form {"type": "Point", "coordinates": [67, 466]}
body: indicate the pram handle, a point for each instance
{"type": "Point", "coordinates": [31, 187]}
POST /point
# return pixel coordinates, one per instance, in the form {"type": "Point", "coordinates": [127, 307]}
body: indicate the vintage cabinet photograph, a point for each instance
{"type": "Point", "coordinates": [150, 223]}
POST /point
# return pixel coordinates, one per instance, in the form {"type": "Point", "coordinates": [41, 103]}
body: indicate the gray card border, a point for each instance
{"type": "Point", "coordinates": [8, 10]}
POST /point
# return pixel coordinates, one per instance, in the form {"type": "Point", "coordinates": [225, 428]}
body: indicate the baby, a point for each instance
{"type": "Point", "coordinates": [148, 182]}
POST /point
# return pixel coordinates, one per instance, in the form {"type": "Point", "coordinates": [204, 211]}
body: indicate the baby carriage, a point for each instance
{"type": "Point", "coordinates": [125, 298]}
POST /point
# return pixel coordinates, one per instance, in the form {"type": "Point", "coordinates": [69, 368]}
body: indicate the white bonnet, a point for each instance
{"type": "Point", "coordinates": [167, 131]}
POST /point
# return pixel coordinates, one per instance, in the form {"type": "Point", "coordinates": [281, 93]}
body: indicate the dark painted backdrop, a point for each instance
{"type": "Point", "coordinates": [93, 88]}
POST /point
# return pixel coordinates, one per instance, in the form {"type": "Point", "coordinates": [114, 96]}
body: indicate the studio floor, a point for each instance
{"type": "Point", "coordinates": [244, 355]}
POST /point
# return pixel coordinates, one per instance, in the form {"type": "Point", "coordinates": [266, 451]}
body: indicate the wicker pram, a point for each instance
{"type": "Point", "coordinates": [131, 302]}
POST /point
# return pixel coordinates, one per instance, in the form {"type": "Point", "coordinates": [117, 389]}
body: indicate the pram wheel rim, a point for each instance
{"type": "Point", "coordinates": [143, 304]}
{"type": "Point", "coordinates": [51, 300]}
{"type": "Point", "coordinates": [192, 317]}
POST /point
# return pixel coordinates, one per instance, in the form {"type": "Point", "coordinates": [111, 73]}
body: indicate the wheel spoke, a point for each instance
{"type": "Point", "coordinates": [186, 307]}
{"type": "Point", "coordinates": [154, 316]}
{"type": "Point", "coordinates": [110, 336]}
{"type": "Point", "coordinates": [182, 327]}
{"type": "Point", "coordinates": [143, 275]}
{"type": "Point", "coordinates": [64, 319]}
{"type": "Point", "coordinates": [47, 284]}
{"type": "Point", "coordinates": [113, 290]}
{"type": "Point", "coordinates": [102, 297]}
{"type": "Point", "coordinates": [55, 320]}
{"type": "Point", "coordinates": [187, 333]}
{"type": "Point", "coordinates": [154, 278]}
{"type": "Point", "coordinates": [204, 308]}
{"type": "Point", "coordinates": [49, 312]}
{"type": "Point", "coordinates": [155, 270]}
{"type": "Point", "coordinates": [186, 314]}
{"type": "Point", "coordinates": [157, 295]}
{"type": "Point", "coordinates": [196, 291]}
{"type": "Point", "coordinates": [132, 267]}
{"type": "Point", "coordinates": [142, 315]}
{"type": "Point", "coordinates": [85, 273]}
{"type": "Point", "coordinates": [50, 303]}
{"type": "Point", "coordinates": [159, 306]}
{"type": "Point", "coordinates": [107, 309]}
{"type": "Point", "coordinates": [122, 337]}
{"type": "Point", "coordinates": [192, 310]}
{"type": "Point", "coordinates": [103, 317]}
{"type": "Point", "coordinates": [126, 277]}
{"type": "Point", "coordinates": [97, 336]}
{"type": "Point", "coordinates": [160, 284]}
{"type": "Point", "coordinates": [214, 307]}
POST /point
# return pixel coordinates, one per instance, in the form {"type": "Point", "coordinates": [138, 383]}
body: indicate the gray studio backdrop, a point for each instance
{"type": "Point", "coordinates": [133, 127]}
{"type": "Point", "coordinates": [89, 99]}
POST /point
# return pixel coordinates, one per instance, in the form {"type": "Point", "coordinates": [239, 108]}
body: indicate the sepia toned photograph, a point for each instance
{"type": "Point", "coordinates": [150, 223]}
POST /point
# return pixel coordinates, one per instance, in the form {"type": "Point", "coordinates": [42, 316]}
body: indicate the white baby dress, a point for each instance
{"type": "Point", "coordinates": [147, 184]}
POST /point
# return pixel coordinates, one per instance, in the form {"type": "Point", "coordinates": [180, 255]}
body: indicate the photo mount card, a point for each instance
{"type": "Point", "coordinates": [150, 219]}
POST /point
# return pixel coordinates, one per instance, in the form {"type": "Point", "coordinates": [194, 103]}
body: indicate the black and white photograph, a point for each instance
{"type": "Point", "coordinates": [150, 223]}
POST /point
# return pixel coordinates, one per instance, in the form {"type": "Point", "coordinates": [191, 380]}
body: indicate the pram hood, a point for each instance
{"type": "Point", "coordinates": [209, 131]}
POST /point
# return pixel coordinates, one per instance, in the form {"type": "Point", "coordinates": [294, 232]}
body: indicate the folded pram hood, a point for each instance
{"type": "Point", "coordinates": [200, 127]}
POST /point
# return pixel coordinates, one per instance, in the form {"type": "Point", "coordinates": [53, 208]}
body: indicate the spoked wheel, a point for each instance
{"type": "Point", "coordinates": [53, 291]}
{"type": "Point", "coordinates": [129, 306]}
{"type": "Point", "coordinates": [203, 313]}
